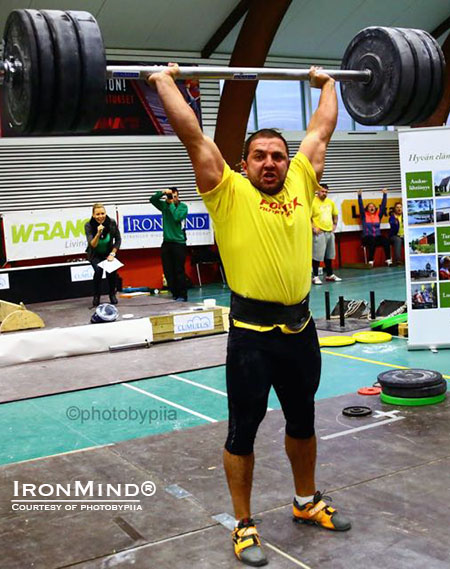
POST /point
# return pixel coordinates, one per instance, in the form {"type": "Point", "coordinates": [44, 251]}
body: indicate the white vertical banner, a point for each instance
{"type": "Point", "coordinates": [425, 170]}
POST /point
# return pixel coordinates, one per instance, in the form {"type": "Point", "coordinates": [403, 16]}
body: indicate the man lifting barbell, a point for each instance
{"type": "Point", "coordinates": [263, 230]}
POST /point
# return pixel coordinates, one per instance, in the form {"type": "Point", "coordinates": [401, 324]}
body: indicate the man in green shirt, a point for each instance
{"type": "Point", "coordinates": [173, 248]}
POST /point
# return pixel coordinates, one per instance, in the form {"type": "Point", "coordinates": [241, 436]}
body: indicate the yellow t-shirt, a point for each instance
{"type": "Point", "coordinates": [265, 241]}
{"type": "Point", "coordinates": [322, 213]}
{"type": "Point", "coordinates": [401, 230]}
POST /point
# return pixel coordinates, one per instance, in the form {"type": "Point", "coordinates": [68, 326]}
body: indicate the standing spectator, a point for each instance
{"type": "Point", "coordinates": [103, 237]}
{"type": "Point", "coordinates": [324, 218]}
{"type": "Point", "coordinates": [371, 231]}
{"type": "Point", "coordinates": [396, 232]}
{"type": "Point", "coordinates": [173, 249]}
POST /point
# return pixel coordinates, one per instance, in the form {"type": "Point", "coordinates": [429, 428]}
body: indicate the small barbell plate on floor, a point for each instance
{"type": "Point", "coordinates": [357, 411]}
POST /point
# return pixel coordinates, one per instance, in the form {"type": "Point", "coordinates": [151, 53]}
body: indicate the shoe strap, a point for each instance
{"type": "Point", "coordinates": [321, 505]}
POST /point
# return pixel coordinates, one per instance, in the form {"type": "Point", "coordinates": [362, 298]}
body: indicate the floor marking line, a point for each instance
{"type": "Point", "coordinates": [371, 361]}
{"type": "Point", "coordinates": [58, 454]}
{"type": "Point", "coordinates": [223, 393]}
{"type": "Point", "coordinates": [179, 378]}
{"type": "Point", "coordinates": [170, 403]}
{"type": "Point", "coordinates": [356, 429]}
{"type": "Point", "coordinates": [280, 552]}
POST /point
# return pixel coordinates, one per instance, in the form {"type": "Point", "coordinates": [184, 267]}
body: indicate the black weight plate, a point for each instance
{"type": "Point", "coordinates": [409, 378]}
{"type": "Point", "coordinates": [93, 71]}
{"type": "Point", "coordinates": [422, 82]}
{"type": "Point", "coordinates": [427, 391]}
{"type": "Point", "coordinates": [356, 411]}
{"type": "Point", "coordinates": [46, 69]}
{"type": "Point", "coordinates": [21, 90]}
{"type": "Point", "coordinates": [437, 74]}
{"type": "Point", "coordinates": [386, 96]}
{"type": "Point", "coordinates": [67, 69]}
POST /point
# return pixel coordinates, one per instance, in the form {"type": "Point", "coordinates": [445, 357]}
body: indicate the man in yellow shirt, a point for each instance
{"type": "Point", "coordinates": [324, 219]}
{"type": "Point", "coordinates": [262, 224]}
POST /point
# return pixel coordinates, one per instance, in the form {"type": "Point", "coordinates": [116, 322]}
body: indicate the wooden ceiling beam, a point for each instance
{"type": "Point", "coordinates": [225, 28]}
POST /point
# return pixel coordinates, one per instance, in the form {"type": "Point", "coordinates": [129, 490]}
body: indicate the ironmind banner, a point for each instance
{"type": "Point", "coordinates": [131, 108]}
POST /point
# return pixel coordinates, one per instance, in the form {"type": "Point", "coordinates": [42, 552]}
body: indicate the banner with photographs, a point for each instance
{"type": "Point", "coordinates": [425, 168]}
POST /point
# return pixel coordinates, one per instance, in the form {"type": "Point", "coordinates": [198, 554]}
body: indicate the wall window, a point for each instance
{"type": "Point", "coordinates": [278, 105]}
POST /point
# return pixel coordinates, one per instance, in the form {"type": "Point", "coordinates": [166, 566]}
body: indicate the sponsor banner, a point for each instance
{"type": "Point", "coordinates": [4, 281]}
{"type": "Point", "coordinates": [37, 234]}
{"type": "Point", "coordinates": [193, 322]}
{"type": "Point", "coordinates": [83, 273]}
{"type": "Point", "coordinates": [349, 218]}
{"type": "Point", "coordinates": [425, 168]}
{"type": "Point", "coordinates": [141, 226]}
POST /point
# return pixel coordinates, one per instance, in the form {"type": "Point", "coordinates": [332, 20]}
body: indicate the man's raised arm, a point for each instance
{"type": "Point", "coordinates": [322, 123]}
{"type": "Point", "coordinates": [206, 158]}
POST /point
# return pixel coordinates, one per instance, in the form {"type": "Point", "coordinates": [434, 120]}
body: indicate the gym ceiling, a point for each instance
{"type": "Point", "coordinates": [315, 29]}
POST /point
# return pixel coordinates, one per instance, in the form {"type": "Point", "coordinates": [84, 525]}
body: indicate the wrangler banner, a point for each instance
{"type": "Point", "coordinates": [44, 233]}
{"type": "Point", "coordinates": [425, 168]}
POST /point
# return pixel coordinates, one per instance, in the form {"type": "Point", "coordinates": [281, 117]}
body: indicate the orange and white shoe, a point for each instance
{"type": "Point", "coordinates": [319, 513]}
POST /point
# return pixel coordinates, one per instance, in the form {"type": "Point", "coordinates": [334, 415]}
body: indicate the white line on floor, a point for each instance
{"type": "Point", "coordinates": [170, 403]}
{"type": "Point", "coordinates": [179, 378]}
{"type": "Point", "coordinates": [280, 552]}
{"type": "Point", "coordinates": [356, 429]}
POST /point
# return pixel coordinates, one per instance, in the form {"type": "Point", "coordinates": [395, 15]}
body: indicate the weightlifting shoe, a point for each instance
{"type": "Point", "coordinates": [247, 545]}
{"type": "Point", "coordinates": [319, 513]}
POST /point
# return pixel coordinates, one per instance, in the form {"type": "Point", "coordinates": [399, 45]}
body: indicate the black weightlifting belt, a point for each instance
{"type": "Point", "coordinates": [261, 313]}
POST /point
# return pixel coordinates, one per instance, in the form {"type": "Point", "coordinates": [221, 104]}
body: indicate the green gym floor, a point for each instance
{"type": "Point", "coordinates": [96, 417]}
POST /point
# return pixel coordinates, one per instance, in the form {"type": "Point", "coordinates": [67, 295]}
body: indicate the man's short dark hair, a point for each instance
{"type": "Point", "coordinates": [174, 189]}
{"type": "Point", "coordinates": [324, 186]}
{"type": "Point", "coordinates": [263, 133]}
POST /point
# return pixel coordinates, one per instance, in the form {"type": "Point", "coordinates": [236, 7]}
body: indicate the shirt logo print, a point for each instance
{"type": "Point", "coordinates": [278, 208]}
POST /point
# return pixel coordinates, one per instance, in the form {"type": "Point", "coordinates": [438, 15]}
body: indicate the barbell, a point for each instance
{"type": "Point", "coordinates": [54, 72]}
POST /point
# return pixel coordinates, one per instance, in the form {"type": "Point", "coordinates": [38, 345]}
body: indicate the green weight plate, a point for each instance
{"type": "Point", "coordinates": [46, 70]}
{"type": "Point", "coordinates": [388, 322]}
{"type": "Point", "coordinates": [385, 97]}
{"type": "Point", "coordinates": [437, 74]}
{"type": "Point", "coordinates": [67, 70]}
{"type": "Point", "coordinates": [93, 71]}
{"type": "Point", "coordinates": [21, 90]}
{"type": "Point", "coordinates": [422, 81]}
{"type": "Point", "coordinates": [412, 401]}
